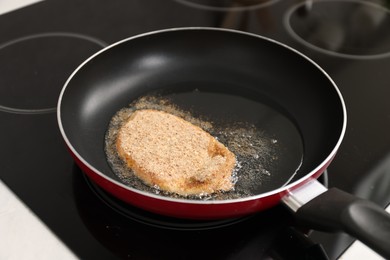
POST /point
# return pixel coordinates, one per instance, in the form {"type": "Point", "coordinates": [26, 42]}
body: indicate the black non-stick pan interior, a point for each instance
{"type": "Point", "coordinates": [214, 61]}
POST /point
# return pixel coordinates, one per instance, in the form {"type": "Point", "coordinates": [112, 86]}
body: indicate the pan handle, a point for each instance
{"type": "Point", "coordinates": [335, 210]}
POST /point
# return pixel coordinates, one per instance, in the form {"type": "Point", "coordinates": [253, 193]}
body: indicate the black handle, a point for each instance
{"type": "Point", "coordinates": [336, 210]}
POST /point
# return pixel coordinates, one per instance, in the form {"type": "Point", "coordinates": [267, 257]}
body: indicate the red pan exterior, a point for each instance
{"type": "Point", "coordinates": [191, 209]}
{"type": "Point", "coordinates": [187, 209]}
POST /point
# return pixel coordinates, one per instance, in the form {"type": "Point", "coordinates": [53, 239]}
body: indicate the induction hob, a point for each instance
{"type": "Point", "coordinates": [40, 46]}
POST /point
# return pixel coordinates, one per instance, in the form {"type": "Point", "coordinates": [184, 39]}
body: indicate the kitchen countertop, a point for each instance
{"type": "Point", "coordinates": [23, 235]}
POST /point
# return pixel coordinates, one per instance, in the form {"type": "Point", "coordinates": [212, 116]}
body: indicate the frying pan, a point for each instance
{"type": "Point", "coordinates": [234, 63]}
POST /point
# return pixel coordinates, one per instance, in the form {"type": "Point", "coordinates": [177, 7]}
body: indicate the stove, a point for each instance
{"type": "Point", "coordinates": [42, 43]}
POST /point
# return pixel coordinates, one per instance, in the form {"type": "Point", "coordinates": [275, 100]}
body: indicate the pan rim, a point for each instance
{"type": "Point", "coordinates": [274, 192]}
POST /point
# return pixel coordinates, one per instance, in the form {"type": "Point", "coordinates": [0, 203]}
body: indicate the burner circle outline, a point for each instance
{"type": "Point", "coordinates": [292, 33]}
{"type": "Point", "coordinates": [224, 9]}
{"type": "Point", "coordinates": [43, 35]}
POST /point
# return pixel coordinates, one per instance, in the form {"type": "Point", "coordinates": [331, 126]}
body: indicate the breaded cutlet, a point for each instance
{"type": "Point", "coordinates": [167, 151]}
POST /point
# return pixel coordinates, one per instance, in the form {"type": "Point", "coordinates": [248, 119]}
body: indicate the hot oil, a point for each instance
{"type": "Point", "coordinates": [267, 145]}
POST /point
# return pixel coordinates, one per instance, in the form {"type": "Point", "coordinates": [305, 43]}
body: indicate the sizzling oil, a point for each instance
{"type": "Point", "coordinates": [267, 145]}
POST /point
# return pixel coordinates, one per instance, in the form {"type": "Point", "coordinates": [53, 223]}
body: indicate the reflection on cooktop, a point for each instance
{"type": "Point", "coordinates": [125, 236]}
{"type": "Point", "coordinates": [130, 232]}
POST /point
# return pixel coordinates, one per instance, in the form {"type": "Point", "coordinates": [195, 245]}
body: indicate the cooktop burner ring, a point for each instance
{"type": "Point", "coordinates": [237, 7]}
{"type": "Point", "coordinates": [23, 63]}
{"type": "Point", "coordinates": [332, 33]}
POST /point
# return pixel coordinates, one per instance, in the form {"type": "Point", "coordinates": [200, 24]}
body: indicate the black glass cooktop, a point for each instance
{"type": "Point", "coordinates": [40, 46]}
